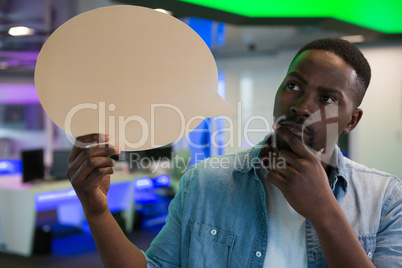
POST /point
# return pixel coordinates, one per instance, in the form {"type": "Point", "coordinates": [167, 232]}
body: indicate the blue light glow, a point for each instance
{"type": "Point", "coordinates": [54, 195]}
{"type": "Point", "coordinates": [52, 200]}
{"type": "Point", "coordinates": [162, 180]}
{"type": "Point", "coordinates": [143, 183]}
{"type": "Point", "coordinates": [10, 166]}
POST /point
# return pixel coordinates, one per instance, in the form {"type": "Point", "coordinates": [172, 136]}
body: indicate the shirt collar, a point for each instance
{"type": "Point", "coordinates": [251, 158]}
{"type": "Point", "coordinates": [338, 171]}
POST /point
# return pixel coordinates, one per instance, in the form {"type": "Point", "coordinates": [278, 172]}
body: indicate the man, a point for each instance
{"type": "Point", "coordinates": [314, 209]}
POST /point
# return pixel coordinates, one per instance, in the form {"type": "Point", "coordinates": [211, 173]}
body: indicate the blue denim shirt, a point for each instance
{"type": "Point", "coordinates": [218, 217]}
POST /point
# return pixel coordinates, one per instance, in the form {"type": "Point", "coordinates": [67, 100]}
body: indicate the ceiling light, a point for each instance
{"type": "Point", "coordinates": [20, 31]}
{"type": "Point", "coordinates": [354, 38]}
{"type": "Point", "coordinates": [163, 11]}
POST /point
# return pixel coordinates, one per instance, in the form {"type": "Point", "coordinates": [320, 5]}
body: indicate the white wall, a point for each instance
{"type": "Point", "coordinates": [377, 141]}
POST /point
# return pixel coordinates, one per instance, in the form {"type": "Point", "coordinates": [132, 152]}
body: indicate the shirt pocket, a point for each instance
{"type": "Point", "coordinates": [209, 246]}
{"type": "Point", "coordinates": [368, 242]}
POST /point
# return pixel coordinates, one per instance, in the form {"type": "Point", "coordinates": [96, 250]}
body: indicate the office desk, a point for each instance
{"type": "Point", "coordinates": [20, 202]}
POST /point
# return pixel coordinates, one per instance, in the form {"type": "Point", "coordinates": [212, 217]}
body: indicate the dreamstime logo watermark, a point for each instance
{"type": "Point", "coordinates": [221, 137]}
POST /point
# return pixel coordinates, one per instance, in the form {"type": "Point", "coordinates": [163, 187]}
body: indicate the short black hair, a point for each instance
{"type": "Point", "coordinates": [350, 54]}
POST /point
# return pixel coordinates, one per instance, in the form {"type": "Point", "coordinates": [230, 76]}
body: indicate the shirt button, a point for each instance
{"type": "Point", "coordinates": [369, 254]}
{"type": "Point", "coordinates": [258, 254]}
{"type": "Point", "coordinates": [213, 232]}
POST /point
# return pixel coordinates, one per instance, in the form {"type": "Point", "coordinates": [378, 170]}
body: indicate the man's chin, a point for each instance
{"type": "Point", "coordinates": [280, 144]}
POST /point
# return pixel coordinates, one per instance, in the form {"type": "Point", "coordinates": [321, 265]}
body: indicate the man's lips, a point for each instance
{"type": "Point", "coordinates": [295, 128]}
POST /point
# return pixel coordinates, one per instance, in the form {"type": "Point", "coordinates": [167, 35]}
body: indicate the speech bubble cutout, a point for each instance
{"type": "Point", "coordinates": [143, 77]}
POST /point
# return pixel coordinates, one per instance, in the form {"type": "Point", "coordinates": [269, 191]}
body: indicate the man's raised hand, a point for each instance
{"type": "Point", "coordinates": [89, 169]}
{"type": "Point", "coordinates": [303, 181]}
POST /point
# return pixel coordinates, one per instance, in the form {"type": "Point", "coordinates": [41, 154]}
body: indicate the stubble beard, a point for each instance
{"type": "Point", "coordinates": [280, 144]}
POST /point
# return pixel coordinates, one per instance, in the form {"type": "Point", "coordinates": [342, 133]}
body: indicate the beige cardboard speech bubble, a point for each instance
{"type": "Point", "coordinates": [141, 76]}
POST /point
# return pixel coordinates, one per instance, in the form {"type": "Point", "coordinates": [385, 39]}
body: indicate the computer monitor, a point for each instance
{"type": "Point", "coordinates": [60, 165]}
{"type": "Point", "coordinates": [33, 168]}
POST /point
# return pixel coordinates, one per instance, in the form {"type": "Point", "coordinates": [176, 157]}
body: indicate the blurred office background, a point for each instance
{"type": "Point", "coordinates": [252, 55]}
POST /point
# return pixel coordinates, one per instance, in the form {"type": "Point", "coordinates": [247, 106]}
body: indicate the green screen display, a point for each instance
{"type": "Point", "coordinates": [384, 16]}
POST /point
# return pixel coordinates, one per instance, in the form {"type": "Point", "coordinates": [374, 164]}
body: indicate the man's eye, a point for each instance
{"type": "Point", "coordinates": [293, 86]}
{"type": "Point", "coordinates": [328, 99]}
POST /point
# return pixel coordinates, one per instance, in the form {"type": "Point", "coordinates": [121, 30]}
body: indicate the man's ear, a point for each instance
{"type": "Point", "coordinates": [353, 121]}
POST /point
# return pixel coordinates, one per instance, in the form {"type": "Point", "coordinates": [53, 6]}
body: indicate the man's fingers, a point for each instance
{"type": "Point", "coordinates": [276, 179]}
{"type": "Point", "coordinates": [293, 141]}
{"type": "Point", "coordinates": [83, 141]}
{"type": "Point", "coordinates": [290, 158]}
{"type": "Point", "coordinates": [96, 176]}
{"type": "Point", "coordinates": [286, 172]}
{"type": "Point", "coordinates": [89, 166]}
{"type": "Point", "coordinates": [86, 153]}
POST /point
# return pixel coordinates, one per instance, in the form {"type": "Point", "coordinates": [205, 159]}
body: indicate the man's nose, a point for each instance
{"type": "Point", "coordinates": [304, 107]}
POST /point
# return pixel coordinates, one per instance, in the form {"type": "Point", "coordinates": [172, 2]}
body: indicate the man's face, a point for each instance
{"type": "Point", "coordinates": [316, 99]}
